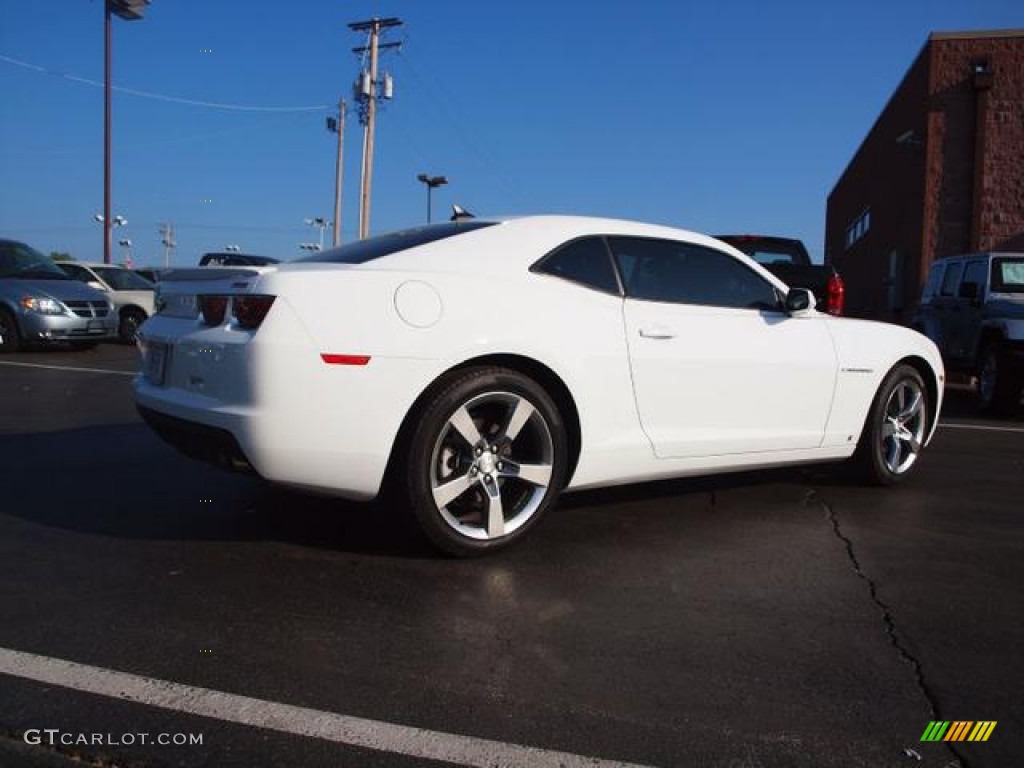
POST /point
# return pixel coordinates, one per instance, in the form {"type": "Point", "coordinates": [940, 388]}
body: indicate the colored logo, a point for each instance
{"type": "Point", "coordinates": [958, 730]}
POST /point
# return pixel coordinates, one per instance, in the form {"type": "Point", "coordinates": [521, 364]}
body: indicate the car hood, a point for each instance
{"type": "Point", "coordinates": [61, 290]}
{"type": "Point", "coordinates": [1005, 305]}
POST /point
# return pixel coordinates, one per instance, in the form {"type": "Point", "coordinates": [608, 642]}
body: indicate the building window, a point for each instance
{"type": "Point", "coordinates": [858, 228]}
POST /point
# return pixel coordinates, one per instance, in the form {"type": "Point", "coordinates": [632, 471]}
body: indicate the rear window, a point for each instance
{"type": "Point", "coordinates": [769, 250]}
{"type": "Point", "coordinates": [931, 288]}
{"type": "Point", "coordinates": [362, 251]}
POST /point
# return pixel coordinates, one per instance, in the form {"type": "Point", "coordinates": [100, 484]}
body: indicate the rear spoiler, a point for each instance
{"type": "Point", "coordinates": [204, 274]}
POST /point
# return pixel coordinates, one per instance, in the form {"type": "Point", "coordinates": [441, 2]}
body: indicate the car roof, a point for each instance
{"type": "Point", "coordinates": [512, 245]}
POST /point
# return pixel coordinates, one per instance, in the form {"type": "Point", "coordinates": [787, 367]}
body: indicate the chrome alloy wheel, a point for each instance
{"type": "Point", "coordinates": [903, 426]}
{"type": "Point", "coordinates": [491, 465]}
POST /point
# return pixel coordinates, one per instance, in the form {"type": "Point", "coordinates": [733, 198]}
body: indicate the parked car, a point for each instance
{"type": "Point", "coordinates": [788, 260]}
{"type": "Point", "coordinates": [232, 259]}
{"type": "Point", "coordinates": [480, 367]}
{"type": "Point", "coordinates": [972, 307]}
{"type": "Point", "coordinates": [131, 294]}
{"type": "Point", "coordinates": [38, 303]}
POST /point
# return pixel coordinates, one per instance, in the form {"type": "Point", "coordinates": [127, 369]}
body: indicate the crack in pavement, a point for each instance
{"type": "Point", "coordinates": [889, 621]}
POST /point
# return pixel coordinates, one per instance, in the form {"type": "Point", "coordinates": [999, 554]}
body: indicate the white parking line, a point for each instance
{"type": "Point", "coordinates": [341, 729]}
{"type": "Point", "coordinates": [980, 427]}
{"type": "Point", "coordinates": [67, 368]}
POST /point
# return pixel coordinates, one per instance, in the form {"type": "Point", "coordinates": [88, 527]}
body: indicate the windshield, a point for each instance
{"type": "Point", "coordinates": [1008, 275]}
{"type": "Point", "coordinates": [123, 280]}
{"type": "Point", "coordinates": [18, 260]}
{"type": "Point", "coordinates": [362, 251]}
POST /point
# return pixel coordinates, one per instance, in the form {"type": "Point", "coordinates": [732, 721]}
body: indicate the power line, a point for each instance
{"type": "Point", "coordinates": [161, 96]}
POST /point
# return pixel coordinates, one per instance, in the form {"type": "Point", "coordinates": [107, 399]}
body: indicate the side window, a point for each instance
{"type": "Point", "coordinates": [975, 273]}
{"type": "Point", "coordinates": [952, 278]}
{"type": "Point", "coordinates": [585, 261]}
{"type": "Point", "coordinates": [684, 273]}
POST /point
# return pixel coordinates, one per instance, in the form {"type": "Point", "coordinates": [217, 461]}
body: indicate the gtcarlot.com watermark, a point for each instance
{"type": "Point", "coordinates": [54, 737]}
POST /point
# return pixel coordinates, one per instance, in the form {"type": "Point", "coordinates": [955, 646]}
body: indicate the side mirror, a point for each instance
{"type": "Point", "coordinates": [968, 290]}
{"type": "Point", "coordinates": [97, 285]}
{"type": "Point", "coordinates": [799, 300]}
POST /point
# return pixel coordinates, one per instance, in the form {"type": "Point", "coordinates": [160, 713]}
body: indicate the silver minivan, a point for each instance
{"type": "Point", "coordinates": [39, 303]}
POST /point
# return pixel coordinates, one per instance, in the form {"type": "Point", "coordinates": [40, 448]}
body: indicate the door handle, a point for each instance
{"type": "Point", "coordinates": [657, 332]}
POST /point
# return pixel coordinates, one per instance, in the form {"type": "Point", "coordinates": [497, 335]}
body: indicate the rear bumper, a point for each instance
{"type": "Point", "coordinates": [198, 441]}
{"type": "Point", "coordinates": [269, 402]}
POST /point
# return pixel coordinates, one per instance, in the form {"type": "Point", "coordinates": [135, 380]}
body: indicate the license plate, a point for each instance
{"type": "Point", "coordinates": [155, 366]}
{"type": "Point", "coordinates": [95, 325]}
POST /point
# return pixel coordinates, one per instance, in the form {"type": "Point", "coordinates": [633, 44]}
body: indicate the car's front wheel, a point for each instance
{"type": "Point", "coordinates": [128, 330]}
{"type": "Point", "coordinates": [487, 458]}
{"type": "Point", "coordinates": [895, 431]}
{"type": "Point", "coordinates": [10, 339]}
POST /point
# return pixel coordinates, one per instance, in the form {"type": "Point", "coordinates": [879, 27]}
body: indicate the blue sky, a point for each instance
{"type": "Point", "coordinates": [728, 116]}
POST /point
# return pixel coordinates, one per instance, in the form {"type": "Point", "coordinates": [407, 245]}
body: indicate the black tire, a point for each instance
{"type": "Point", "coordinates": [10, 337]}
{"type": "Point", "coordinates": [128, 328]}
{"type": "Point", "coordinates": [998, 388]}
{"type": "Point", "coordinates": [896, 426]}
{"type": "Point", "coordinates": [465, 480]}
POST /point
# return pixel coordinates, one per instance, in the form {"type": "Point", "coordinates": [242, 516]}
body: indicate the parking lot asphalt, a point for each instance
{"type": "Point", "coordinates": [784, 618]}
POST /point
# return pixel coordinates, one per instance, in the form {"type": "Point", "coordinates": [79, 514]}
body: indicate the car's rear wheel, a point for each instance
{"type": "Point", "coordinates": [128, 330]}
{"type": "Point", "coordinates": [10, 339]}
{"type": "Point", "coordinates": [487, 459]}
{"type": "Point", "coordinates": [897, 425]}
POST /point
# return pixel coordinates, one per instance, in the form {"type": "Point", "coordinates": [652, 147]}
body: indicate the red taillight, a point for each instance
{"type": "Point", "coordinates": [249, 311]}
{"type": "Point", "coordinates": [836, 295]}
{"type": "Point", "coordinates": [213, 308]}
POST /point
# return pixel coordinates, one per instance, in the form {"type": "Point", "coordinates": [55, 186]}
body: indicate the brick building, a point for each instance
{"type": "Point", "coordinates": [941, 172]}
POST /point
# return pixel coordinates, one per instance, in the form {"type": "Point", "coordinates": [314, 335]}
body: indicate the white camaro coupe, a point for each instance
{"type": "Point", "coordinates": [481, 367]}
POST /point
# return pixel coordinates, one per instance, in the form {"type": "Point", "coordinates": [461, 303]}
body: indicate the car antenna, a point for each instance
{"type": "Point", "coordinates": [459, 213]}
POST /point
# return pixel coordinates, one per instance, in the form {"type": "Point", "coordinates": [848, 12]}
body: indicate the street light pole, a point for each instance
{"type": "Point", "coordinates": [130, 10]}
{"type": "Point", "coordinates": [431, 182]}
{"type": "Point", "coordinates": [107, 222]}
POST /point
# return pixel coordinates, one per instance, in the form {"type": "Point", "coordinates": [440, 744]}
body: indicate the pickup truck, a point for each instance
{"type": "Point", "coordinates": [789, 261]}
{"type": "Point", "coordinates": [972, 307]}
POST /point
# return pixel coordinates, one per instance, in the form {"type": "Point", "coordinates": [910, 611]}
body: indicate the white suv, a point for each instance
{"type": "Point", "coordinates": [131, 294]}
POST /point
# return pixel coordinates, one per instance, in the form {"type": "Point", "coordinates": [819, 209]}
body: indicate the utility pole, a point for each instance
{"type": "Point", "coordinates": [167, 238]}
{"type": "Point", "coordinates": [337, 125]}
{"type": "Point", "coordinates": [366, 91]}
